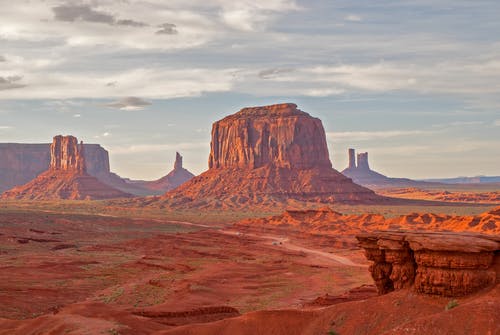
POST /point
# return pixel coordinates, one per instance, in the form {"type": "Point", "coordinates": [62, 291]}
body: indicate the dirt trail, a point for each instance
{"type": "Point", "coordinates": [285, 243]}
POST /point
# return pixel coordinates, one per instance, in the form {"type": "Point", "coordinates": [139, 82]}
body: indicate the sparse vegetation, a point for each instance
{"type": "Point", "coordinates": [333, 332]}
{"type": "Point", "coordinates": [451, 304]}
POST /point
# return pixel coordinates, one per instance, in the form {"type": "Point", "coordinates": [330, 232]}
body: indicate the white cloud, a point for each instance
{"type": "Point", "coordinates": [129, 103]}
{"type": "Point", "coordinates": [146, 83]}
{"type": "Point", "coordinates": [323, 92]}
{"type": "Point", "coordinates": [253, 15]}
{"type": "Point", "coordinates": [353, 18]}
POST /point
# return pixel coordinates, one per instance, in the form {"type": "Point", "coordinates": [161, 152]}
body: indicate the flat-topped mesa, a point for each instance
{"type": "Point", "coordinates": [277, 135]}
{"type": "Point", "coordinates": [67, 155]}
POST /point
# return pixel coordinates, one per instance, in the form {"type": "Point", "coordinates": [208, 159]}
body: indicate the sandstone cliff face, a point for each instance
{"type": "Point", "coordinates": [66, 177]}
{"type": "Point", "coordinates": [273, 151]}
{"type": "Point", "coordinates": [277, 135]}
{"type": "Point", "coordinates": [20, 163]}
{"type": "Point", "coordinates": [67, 155]}
{"type": "Point", "coordinates": [445, 264]}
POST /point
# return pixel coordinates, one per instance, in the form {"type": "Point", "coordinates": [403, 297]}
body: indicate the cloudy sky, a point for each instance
{"type": "Point", "coordinates": [415, 83]}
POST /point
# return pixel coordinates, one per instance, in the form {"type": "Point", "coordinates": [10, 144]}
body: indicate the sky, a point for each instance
{"type": "Point", "coordinates": [415, 83]}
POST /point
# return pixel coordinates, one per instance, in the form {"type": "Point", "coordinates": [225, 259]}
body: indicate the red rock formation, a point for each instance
{"type": "Point", "coordinates": [352, 159]}
{"type": "Point", "coordinates": [272, 151]}
{"type": "Point", "coordinates": [66, 177]}
{"type": "Point", "coordinates": [178, 176]}
{"type": "Point", "coordinates": [21, 163]}
{"type": "Point", "coordinates": [277, 135]}
{"type": "Point", "coordinates": [445, 264]}
{"type": "Point", "coordinates": [361, 174]}
{"type": "Point", "coordinates": [67, 155]}
{"type": "Point", "coordinates": [363, 161]}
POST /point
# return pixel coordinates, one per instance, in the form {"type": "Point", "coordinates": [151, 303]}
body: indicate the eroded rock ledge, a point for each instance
{"type": "Point", "coordinates": [446, 264]}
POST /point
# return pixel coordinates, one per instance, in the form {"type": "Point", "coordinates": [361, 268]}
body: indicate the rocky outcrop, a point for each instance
{"type": "Point", "coordinates": [178, 176]}
{"type": "Point", "coordinates": [21, 163]}
{"type": "Point", "coordinates": [445, 264]}
{"type": "Point", "coordinates": [279, 135]}
{"type": "Point", "coordinates": [272, 151]}
{"type": "Point", "coordinates": [363, 161]}
{"type": "Point", "coordinates": [66, 177]}
{"type": "Point", "coordinates": [361, 174]}
{"type": "Point", "coordinates": [352, 159]}
{"type": "Point", "coordinates": [67, 155]}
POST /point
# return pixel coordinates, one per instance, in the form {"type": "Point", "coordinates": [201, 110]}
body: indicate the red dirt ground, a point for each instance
{"type": "Point", "coordinates": [83, 274]}
{"type": "Point", "coordinates": [78, 274]}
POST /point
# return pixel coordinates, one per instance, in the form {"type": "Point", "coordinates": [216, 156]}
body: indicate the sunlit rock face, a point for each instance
{"type": "Point", "coordinates": [65, 178]}
{"type": "Point", "coordinates": [274, 151]}
{"type": "Point", "coordinates": [445, 264]}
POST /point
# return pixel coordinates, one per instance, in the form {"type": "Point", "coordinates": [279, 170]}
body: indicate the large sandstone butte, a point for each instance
{"type": "Point", "coordinates": [271, 152]}
{"type": "Point", "coordinates": [66, 178]}
{"type": "Point", "coordinates": [445, 264]}
{"type": "Point", "coordinates": [22, 162]}
{"type": "Point", "coordinates": [178, 176]}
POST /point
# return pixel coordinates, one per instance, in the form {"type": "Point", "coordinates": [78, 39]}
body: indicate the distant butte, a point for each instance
{"type": "Point", "coordinates": [66, 178]}
{"type": "Point", "coordinates": [362, 174]}
{"type": "Point", "coordinates": [178, 176]}
{"type": "Point", "coordinates": [268, 153]}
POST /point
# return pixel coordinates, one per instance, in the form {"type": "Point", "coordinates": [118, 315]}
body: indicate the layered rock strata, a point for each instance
{"type": "Point", "coordinates": [270, 151]}
{"type": "Point", "coordinates": [21, 162]}
{"type": "Point", "coordinates": [66, 178]}
{"type": "Point", "coordinates": [445, 264]}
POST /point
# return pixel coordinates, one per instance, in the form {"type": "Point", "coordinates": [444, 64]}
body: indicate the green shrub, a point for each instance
{"type": "Point", "coordinates": [451, 304]}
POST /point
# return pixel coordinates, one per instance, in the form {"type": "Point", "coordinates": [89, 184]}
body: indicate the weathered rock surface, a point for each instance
{"type": "Point", "coordinates": [66, 178]}
{"type": "Point", "coordinates": [67, 155]}
{"type": "Point", "coordinates": [445, 264]}
{"type": "Point", "coordinates": [270, 151]}
{"type": "Point", "coordinates": [277, 135]}
{"type": "Point", "coordinates": [21, 163]}
{"type": "Point", "coordinates": [178, 176]}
